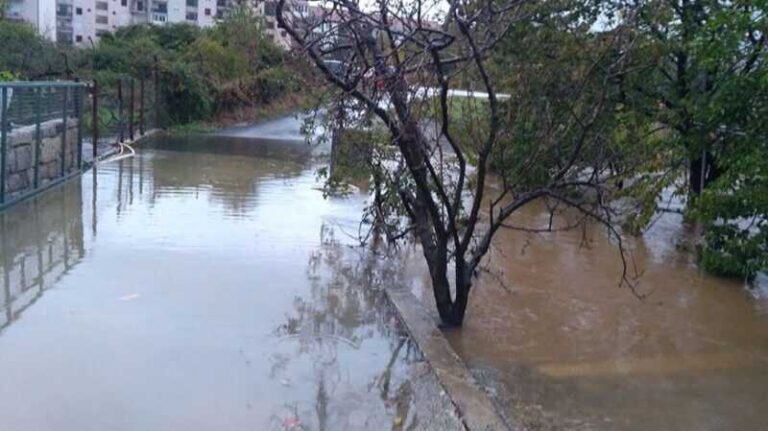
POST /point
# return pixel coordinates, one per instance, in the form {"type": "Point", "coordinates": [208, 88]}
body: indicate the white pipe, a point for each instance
{"type": "Point", "coordinates": [121, 155]}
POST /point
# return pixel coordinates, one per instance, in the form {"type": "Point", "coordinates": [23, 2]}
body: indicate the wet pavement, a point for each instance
{"type": "Point", "coordinates": [204, 284]}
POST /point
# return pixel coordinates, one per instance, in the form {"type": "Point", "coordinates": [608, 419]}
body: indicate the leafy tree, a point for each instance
{"type": "Point", "coordinates": [435, 173]}
{"type": "Point", "coordinates": [30, 56]}
{"type": "Point", "coordinates": [702, 76]}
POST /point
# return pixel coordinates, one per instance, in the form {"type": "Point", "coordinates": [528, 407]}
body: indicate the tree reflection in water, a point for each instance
{"type": "Point", "coordinates": [351, 339]}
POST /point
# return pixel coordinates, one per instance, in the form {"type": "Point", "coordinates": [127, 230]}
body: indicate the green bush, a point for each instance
{"type": "Point", "coordinates": [186, 95]}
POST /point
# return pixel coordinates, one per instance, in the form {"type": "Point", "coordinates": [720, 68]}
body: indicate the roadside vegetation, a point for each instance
{"type": "Point", "coordinates": [229, 73]}
{"type": "Point", "coordinates": [617, 110]}
{"type": "Point", "coordinates": [614, 110]}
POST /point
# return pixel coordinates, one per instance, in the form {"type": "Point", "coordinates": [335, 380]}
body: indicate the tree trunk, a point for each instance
{"type": "Point", "coordinates": [694, 176]}
{"type": "Point", "coordinates": [697, 168]}
{"type": "Point", "coordinates": [451, 310]}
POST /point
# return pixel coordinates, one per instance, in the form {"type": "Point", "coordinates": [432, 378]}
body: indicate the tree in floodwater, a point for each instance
{"type": "Point", "coordinates": [694, 51]}
{"type": "Point", "coordinates": [702, 75]}
{"type": "Point", "coordinates": [451, 171]}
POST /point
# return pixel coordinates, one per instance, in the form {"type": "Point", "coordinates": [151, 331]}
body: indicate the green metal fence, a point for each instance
{"type": "Point", "coordinates": [41, 135]}
{"type": "Point", "coordinates": [122, 109]}
{"type": "Point", "coordinates": [50, 130]}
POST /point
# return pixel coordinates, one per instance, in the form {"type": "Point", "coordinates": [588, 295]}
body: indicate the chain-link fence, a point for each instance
{"type": "Point", "coordinates": [50, 130]}
{"type": "Point", "coordinates": [120, 110]}
{"type": "Point", "coordinates": [41, 135]}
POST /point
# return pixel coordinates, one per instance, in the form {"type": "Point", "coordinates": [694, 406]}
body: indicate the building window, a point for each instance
{"type": "Point", "coordinates": [79, 11]}
{"type": "Point", "coordinates": [192, 3]}
{"type": "Point", "coordinates": [78, 38]}
{"type": "Point", "coordinates": [102, 19]}
{"type": "Point", "coordinates": [123, 2]}
{"type": "Point", "coordinates": [191, 16]}
{"type": "Point", "coordinates": [207, 11]}
{"type": "Point", "coordinates": [64, 10]}
{"type": "Point", "coordinates": [64, 38]}
{"type": "Point", "coordinates": [102, 5]}
{"type": "Point", "coordinates": [139, 6]}
{"type": "Point", "coordinates": [221, 3]}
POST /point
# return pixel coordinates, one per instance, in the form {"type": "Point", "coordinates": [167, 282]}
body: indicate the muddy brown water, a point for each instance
{"type": "Point", "coordinates": [204, 284]}
{"type": "Point", "coordinates": [561, 346]}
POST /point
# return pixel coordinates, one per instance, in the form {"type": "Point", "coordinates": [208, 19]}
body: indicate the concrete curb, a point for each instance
{"type": "Point", "coordinates": [476, 409]}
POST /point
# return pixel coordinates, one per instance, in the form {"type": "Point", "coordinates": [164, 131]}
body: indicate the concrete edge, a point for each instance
{"type": "Point", "coordinates": [476, 410]}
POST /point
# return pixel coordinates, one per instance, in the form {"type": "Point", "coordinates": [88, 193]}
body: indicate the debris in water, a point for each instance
{"type": "Point", "coordinates": [291, 423]}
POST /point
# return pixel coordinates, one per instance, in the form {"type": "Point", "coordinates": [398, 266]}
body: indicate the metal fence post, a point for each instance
{"type": "Point", "coordinates": [130, 111]}
{"type": "Point", "coordinates": [80, 92]}
{"type": "Point", "coordinates": [38, 136]}
{"type": "Point", "coordinates": [95, 118]}
{"type": "Point", "coordinates": [141, 105]}
{"type": "Point", "coordinates": [3, 140]}
{"type": "Point", "coordinates": [64, 131]}
{"type": "Point", "coordinates": [120, 109]}
{"type": "Point", "coordinates": [157, 94]}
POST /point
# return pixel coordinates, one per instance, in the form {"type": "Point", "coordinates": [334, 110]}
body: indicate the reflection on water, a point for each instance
{"type": "Point", "coordinates": [197, 286]}
{"type": "Point", "coordinates": [320, 339]}
{"type": "Point", "coordinates": [41, 241]}
{"type": "Point", "coordinates": [206, 284]}
{"type": "Point", "coordinates": [566, 348]}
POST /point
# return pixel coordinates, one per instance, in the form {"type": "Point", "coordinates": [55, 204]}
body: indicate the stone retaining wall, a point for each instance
{"type": "Point", "coordinates": [21, 157]}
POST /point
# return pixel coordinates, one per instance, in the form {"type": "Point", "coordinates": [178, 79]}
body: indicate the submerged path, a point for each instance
{"type": "Point", "coordinates": [204, 284]}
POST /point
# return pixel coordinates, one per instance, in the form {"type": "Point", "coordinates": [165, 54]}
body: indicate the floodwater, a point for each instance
{"type": "Point", "coordinates": [561, 346]}
{"type": "Point", "coordinates": [204, 284]}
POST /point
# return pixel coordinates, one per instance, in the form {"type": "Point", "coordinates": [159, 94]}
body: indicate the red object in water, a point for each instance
{"type": "Point", "coordinates": [291, 423]}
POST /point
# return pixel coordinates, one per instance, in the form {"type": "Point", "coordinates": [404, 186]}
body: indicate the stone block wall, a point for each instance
{"type": "Point", "coordinates": [21, 158]}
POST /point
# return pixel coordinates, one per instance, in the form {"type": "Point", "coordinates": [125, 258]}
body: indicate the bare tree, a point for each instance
{"type": "Point", "coordinates": [400, 61]}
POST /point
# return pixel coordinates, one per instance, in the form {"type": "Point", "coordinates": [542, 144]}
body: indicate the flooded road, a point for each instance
{"type": "Point", "coordinates": [563, 347]}
{"type": "Point", "coordinates": [204, 284]}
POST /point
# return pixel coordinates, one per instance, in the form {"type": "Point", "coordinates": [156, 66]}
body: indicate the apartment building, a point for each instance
{"type": "Point", "coordinates": [295, 9]}
{"type": "Point", "coordinates": [41, 14]}
{"type": "Point", "coordinates": [83, 22]}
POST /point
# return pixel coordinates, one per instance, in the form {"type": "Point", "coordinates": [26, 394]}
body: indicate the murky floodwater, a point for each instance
{"type": "Point", "coordinates": [564, 348]}
{"type": "Point", "coordinates": [207, 285]}
{"type": "Point", "coordinates": [203, 285]}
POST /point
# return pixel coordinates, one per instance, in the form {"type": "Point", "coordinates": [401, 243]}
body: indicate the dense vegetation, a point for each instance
{"type": "Point", "coordinates": [203, 72]}
{"type": "Point", "coordinates": [643, 106]}
{"type": "Point", "coordinates": [684, 86]}
{"type": "Point", "coordinates": [671, 93]}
